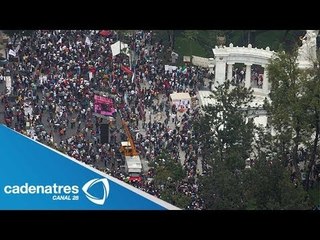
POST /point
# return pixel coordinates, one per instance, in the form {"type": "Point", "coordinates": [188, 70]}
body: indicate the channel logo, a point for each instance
{"type": "Point", "coordinates": [94, 199]}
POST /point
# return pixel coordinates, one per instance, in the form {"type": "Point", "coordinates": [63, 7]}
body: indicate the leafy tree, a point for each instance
{"type": "Point", "coordinates": [311, 97]}
{"type": "Point", "coordinates": [288, 114]}
{"type": "Point", "coordinates": [295, 117]}
{"type": "Point", "coordinates": [263, 145]}
{"type": "Point", "coordinates": [267, 186]}
{"type": "Point", "coordinates": [222, 189]}
{"type": "Point", "coordinates": [165, 167]}
{"type": "Point", "coordinates": [230, 133]}
{"type": "Point", "coordinates": [232, 137]}
{"type": "Point", "coordinates": [227, 135]}
{"type": "Point", "coordinates": [176, 198]}
{"type": "Point", "coordinates": [212, 37]}
{"type": "Point", "coordinates": [169, 174]}
{"type": "Point", "coordinates": [191, 35]}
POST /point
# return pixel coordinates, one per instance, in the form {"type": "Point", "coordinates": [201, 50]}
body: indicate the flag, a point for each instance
{"type": "Point", "coordinates": [17, 49]}
{"type": "Point", "coordinates": [12, 53]}
{"type": "Point", "coordinates": [126, 69]}
{"type": "Point", "coordinates": [60, 40]}
{"type": "Point", "coordinates": [90, 75]}
{"type": "Point", "coordinates": [105, 33]}
{"type": "Point", "coordinates": [118, 47]}
{"type": "Point", "coordinates": [184, 69]}
{"type": "Point", "coordinates": [88, 41]}
{"type": "Point", "coordinates": [133, 76]}
{"type": "Point", "coordinates": [8, 84]}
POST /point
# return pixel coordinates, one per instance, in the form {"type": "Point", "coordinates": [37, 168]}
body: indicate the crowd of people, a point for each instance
{"type": "Point", "coordinates": [55, 74]}
{"type": "Point", "coordinates": [238, 76]}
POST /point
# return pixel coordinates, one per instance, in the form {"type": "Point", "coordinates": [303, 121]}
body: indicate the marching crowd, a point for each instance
{"type": "Point", "coordinates": [54, 76]}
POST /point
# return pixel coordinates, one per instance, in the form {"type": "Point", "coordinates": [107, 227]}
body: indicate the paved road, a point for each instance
{"type": "Point", "coordinates": [160, 117]}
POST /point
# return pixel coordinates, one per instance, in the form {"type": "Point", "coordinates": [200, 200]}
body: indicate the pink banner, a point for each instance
{"type": "Point", "coordinates": [103, 105]}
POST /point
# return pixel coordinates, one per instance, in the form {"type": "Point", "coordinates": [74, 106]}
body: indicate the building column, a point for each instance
{"type": "Point", "coordinates": [220, 70]}
{"type": "Point", "coordinates": [211, 67]}
{"type": "Point", "coordinates": [211, 63]}
{"type": "Point", "coordinates": [265, 84]}
{"type": "Point", "coordinates": [229, 73]}
{"type": "Point", "coordinates": [247, 83]}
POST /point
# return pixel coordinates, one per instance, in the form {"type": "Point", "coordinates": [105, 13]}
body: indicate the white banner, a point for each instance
{"type": "Point", "coordinates": [200, 61]}
{"type": "Point", "coordinates": [115, 48]}
{"type": "Point", "coordinates": [170, 68]}
{"type": "Point", "coordinates": [12, 53]}
{"type": "Point", "coordinates": [8, 84]}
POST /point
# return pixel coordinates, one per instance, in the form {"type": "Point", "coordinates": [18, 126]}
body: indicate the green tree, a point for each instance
{"type": "Point", "coordinates": [288, 114]}
{"type": "Point", "coordinates": [231, 133]}
{"type": "Point", "coordinates": [295, 117]}
{"type": "Point", "coordinates": [191, 35]}
{"type": "Point", "coordinates": [175, 198]}
{"type": "Point", "coordinates": [267, 186]}
{"type": "Point", "coordinates": [212, 38]}
{"type": "Point", "coordinates": [227, 136]}
{"type": "Point", "coordinates": [222, 189]}
{"type": "Point", "coordinates": [311, 98]}
{"type": "Point", "coordinates": [166, 167]}
{"type": "Point", "coordinates": [232, 140]}
{"type": "Point", "coordinates": [169, 174]}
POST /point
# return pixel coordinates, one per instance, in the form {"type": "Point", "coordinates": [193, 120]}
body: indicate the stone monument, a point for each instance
{"type": "Point", "coordinates": [307, 52]}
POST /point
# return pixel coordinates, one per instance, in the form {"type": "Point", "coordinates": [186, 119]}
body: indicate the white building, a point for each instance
{"type": "Point", "coordinates": [226, 57]}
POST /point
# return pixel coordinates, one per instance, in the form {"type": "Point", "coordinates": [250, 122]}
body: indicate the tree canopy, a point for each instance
{"type": "Point", "coordinates": [231, 139]}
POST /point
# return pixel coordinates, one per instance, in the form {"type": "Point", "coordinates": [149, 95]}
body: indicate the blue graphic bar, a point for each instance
{"type": "Point", "coordinates": [37, 177]}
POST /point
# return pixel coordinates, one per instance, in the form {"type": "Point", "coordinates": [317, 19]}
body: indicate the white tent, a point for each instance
{"type": "Point", "coordinates": [181, 100]}
{"type": "Point", "coordinates": [133, 164]}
